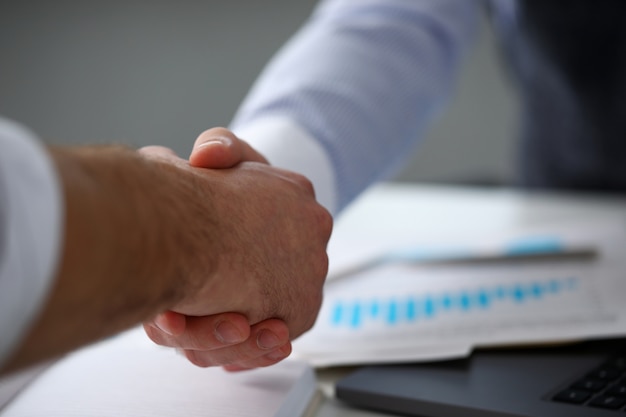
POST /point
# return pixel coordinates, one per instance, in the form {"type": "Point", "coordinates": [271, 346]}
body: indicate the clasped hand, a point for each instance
{"type": "Point", "coordinates": [267, 287]}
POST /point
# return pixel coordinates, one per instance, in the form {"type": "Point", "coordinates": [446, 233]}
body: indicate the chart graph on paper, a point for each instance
{"type": "Point", "coordinates": [451, 299]}
{"type": "Point", "coordinates": [401, 312]}
{"type": "Point", "coordinates": [356, 312]}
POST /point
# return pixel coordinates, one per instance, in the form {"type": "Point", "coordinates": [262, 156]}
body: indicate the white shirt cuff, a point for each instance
{"type": "Point", "coordinates": [286, 145]}
{"type": "Point", "coordinates": [31, 209]}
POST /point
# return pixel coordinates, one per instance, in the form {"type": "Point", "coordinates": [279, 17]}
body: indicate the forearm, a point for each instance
{"type": "Point", "coordinates": [115, 269]}
{"type": "Point", "coordinates": [147, 232]}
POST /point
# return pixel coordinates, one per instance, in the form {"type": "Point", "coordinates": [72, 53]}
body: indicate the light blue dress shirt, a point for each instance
{"type": "Point", "coordinates": [365, 79]}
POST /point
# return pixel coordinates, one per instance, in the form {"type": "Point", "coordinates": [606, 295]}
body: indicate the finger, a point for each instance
{"type": "Point", "coordinates": [220, 148]}
{"type": "Point", "coordinates": [269, 359]}
{"type": "Point", "coordinates": [205, 333]}
{"type": "Point", "coordinates": [170, 323]}
{"type": "Point", "coordinates": [265, 338]}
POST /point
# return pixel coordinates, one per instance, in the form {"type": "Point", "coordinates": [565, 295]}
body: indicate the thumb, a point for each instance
{"type": "Point", "coordinates": [220, 148]}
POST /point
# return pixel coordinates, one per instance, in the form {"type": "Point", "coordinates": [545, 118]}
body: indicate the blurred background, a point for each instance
{"type": "Point", "coordinates": [159, 72]}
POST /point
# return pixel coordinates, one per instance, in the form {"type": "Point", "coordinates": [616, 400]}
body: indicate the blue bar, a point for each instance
{"type": "Point", "coordinates": [374, 309]}
{"type": "Point", "coordinates": [536, 290]}
{"type": "Point", "coordinates": [411, 313]}
{"type": "Point", "coordinates": [337, 314]}
{"type": "Point", "coordinates": [429, 307]}
{"type": "Point", "coordinates": [464, 301]}
{"type": "Point", "coordinates": [392, 313]}
{"type": "Point", "coordinates": [555, 286]}
{"type": "Point", "coordinates": [356, 315]}
{"type": "Point", "coordinates": [483, 299]}
{"type": "Point", "coordinates": [446, 301]}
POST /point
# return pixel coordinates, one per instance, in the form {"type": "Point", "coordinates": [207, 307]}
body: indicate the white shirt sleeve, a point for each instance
{"type": "Point", "coordinates": [363, 80]}
{"type": "Point", "coordinates": [31, 209]}
{"type": "Point", "coordinates": [285, 144]}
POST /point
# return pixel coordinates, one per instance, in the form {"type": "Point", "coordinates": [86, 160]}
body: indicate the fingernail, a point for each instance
{"type": "Point", "coordinates": [227, 333]}
{"type": "Point", "coordinates": [267, 340]}
{"type": "Point", "coordinates": [217, 140]}
{"type": "Point", "coordinates": [161, 326]}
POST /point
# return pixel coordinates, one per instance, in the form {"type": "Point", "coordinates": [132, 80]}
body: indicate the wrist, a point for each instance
{"type": "Point", "coordinates": [112, 227]}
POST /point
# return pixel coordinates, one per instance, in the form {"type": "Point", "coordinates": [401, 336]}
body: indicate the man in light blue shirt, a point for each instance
{"type": "Point", "coordinates": [347, 99]}
{"type": "Point", "coordinates": [363, 80]}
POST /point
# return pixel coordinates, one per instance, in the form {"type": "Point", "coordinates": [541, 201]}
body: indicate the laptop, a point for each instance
{"type": "Point", "coordinates": [586, 379]}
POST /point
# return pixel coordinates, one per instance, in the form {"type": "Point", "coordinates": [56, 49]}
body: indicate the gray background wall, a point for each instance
{"type": "Point", "coordinates": [159, 72]}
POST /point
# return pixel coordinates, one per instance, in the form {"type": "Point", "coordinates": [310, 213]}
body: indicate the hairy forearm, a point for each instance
{"type": "Point", "coordinates": [116, 267]}
{"type": "Point", "coordinates": [147, 232]}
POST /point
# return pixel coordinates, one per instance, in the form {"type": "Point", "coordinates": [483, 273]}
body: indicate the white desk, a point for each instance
{"type": "Point", "coordinates": [428, 211]}
{"type": "Point", "coordinates": [390, 209]}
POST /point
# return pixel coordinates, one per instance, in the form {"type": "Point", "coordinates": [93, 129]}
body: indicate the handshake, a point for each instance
{"type": "Point", "coordinates": [222, 256]}
{"type": "Point", "coordinates": [255, 256]}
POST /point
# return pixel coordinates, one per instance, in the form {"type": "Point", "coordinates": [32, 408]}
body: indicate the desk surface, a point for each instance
{"type": "Point", "coordinates": [386, 209]}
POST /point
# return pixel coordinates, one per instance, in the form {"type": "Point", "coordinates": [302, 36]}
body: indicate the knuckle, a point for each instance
{"type": "Point", "coordinates": [323, 267]}
{"type": "Point", "coordinates": [318, 271]}
{"type": "Point", "coordinates": [318, 225]}
{"type": "Point", "coordinates": [324, 222]}
{"type": "Point", "coordinates": [303, 182]}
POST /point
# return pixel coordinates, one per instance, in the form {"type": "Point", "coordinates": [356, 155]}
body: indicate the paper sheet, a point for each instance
{"type": "Point", "coordinates": [410, 312]}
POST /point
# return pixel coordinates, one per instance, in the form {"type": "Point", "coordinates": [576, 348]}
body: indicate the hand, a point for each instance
{"type": "Point", "coordinates": [264, 232]}
{"type": "Point", "coordinates": [145, 232]}
{"type": "Point", "coordinates": [220, 148]}
{"type": "Point", "coordinates": [224, 338]}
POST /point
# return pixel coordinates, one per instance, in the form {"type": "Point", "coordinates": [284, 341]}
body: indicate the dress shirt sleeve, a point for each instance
{"type": "Point", "coordinates": [30, 231]}
{"type": "Point", "coordinates": [356, 87]}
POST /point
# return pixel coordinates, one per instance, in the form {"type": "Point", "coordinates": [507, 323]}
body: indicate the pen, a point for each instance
{"type": "Point", "coordinates": [527, 248]}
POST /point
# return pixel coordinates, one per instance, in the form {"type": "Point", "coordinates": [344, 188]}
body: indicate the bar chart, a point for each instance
{"type": "Point", "coordinates": [357, 312]}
